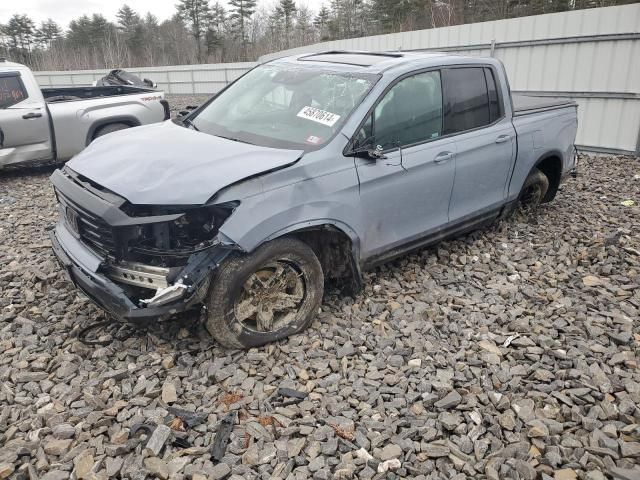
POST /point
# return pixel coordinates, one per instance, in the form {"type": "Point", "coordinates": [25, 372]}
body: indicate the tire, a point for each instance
{"type": "Point", "coordinates": [241, 307]}
{"type": "Point", "coordinates": [112, 127]}
{"type": "Point", "coordinates": [533, 191]}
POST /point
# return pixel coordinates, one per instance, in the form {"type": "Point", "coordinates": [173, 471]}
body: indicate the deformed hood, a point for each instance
{"type": "Point", "coordinates": [166, 164]}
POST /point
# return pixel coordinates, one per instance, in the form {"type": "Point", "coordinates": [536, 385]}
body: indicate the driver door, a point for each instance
{"type": "Point", "coordinates": [405, 195]}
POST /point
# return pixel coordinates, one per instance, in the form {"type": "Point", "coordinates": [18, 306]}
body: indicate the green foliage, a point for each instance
{"type": "Point", "coordinates": [196, 14]}
{"type": "Point", "coordinates": [241, 12]}
{"type": "Point", "coordinates": [204, 31]}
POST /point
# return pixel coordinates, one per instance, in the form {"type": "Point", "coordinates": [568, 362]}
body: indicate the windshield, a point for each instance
{"type": "Point", "coordinates": [284, 106]}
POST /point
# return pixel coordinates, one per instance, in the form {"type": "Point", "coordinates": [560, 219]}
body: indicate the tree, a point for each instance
{"type": "Point", "coordinates": [303, 26]}
{"type": "Point", "coordinates": [152, 40]}
{"type": "Point", "coordinates": [131, 29]}
{"type": "Point", "coordinates": [321, 22]}
{"type": "Point", "coordinates": [47, 33]}
{"type": "Point", "coordinates": [286, 9]}
{"type": "Point", "coordinates": [196, 14]}
{"type": "Point", "coordinates": [392, 14]}
{"type": "Point", "coordinates": [20, 32]}
{"type": "Point", "coordinates": [241, 13]}
{"type": "Point", "coordinates": [214, 38]}
{"type": "Point", "coordinates": [128, 20]}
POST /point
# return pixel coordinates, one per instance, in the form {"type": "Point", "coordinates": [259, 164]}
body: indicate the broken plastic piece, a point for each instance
{"type": "Point", "coordinates": [166, 295]}
{"type": "Point", "coordinates": [221, 439]}
{"type": "Point", "coordinates": [190, 419]}
{"type": "Point", "coordinates": [290, 392]}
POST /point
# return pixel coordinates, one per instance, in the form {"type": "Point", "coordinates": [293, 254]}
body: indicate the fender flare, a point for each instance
{"type": "Point", "coordinates": [542, 158]}
{"type": "Point", "coordinates": [319, 222]}
{"type": "Point", "coordinates": [326, 222]}
{"type": "Point", "coordinates": [551, 193]}
{"type": "Point", "coordinates": [549, 154]}
{"type": "Point", "coordinates": [103, 122]}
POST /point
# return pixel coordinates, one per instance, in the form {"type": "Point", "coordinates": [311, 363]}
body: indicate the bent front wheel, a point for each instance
{"type": "Point", "coordinates": [264, 296]}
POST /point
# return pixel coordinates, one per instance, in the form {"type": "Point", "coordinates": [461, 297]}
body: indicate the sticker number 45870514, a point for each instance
{"type": "Point", "coordinates": [316, 115]}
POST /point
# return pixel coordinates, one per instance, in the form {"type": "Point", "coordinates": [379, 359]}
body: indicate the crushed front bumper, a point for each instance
{"type": "Point", "coordinates": [83, 268]}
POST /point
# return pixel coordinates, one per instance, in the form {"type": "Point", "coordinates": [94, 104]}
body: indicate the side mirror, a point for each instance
{"type": "Point", "coordinates": [368, 149]}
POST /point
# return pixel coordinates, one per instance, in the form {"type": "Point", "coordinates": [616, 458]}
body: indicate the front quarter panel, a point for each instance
{"type": "Point", "coordinates": [311, 193]}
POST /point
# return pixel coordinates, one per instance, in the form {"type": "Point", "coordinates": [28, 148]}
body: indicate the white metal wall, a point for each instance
{"type": "Point", "coordinates": [592, 56]}
{"type": "Point", "coordinates": [182, 79]}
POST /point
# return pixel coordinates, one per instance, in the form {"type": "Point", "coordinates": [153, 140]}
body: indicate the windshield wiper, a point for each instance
{"type": "Point", "coordinates": [189, 123]}
{"type": "Point", "coordinates": [234, 139]}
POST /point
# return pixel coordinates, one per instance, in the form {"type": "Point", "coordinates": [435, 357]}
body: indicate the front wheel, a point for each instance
{"type": "Point", "coordinates": [264, 296]}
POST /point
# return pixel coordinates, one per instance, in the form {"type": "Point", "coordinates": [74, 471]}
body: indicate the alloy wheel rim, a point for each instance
{"type": "Point", "coordinates": [271, 297]}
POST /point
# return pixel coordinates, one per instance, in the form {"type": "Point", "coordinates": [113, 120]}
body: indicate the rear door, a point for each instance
{"type": "Point", "coordinates": [406, 194]}
{"type": "Point", "coordinates": [484, 137]}
{"type": "Point", "coordinates": [24, 121]}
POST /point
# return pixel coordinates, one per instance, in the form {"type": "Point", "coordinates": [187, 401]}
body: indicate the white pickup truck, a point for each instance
{"type": "Point", "coordinates": [53, 124]}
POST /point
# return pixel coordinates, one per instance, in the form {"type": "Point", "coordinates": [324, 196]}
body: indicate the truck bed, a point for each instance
{"type": "Point", "coordinates": [525, 105]}
{"type": "Point", "coordinates": [70, 94]}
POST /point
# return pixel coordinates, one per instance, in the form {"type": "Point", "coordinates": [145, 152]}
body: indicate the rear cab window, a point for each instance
{"type": "Point", "coordinates": [471, 99]}
{"type": "Point", "coordinates": [12, 90]}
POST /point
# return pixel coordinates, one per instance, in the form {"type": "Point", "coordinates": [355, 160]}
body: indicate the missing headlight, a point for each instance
{"type": "Point", "coordinates": [194, 231]}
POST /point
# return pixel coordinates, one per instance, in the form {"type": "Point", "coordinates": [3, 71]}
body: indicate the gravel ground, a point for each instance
{"type": "Point", "coordinates": [180, 102]}
{"type": "Point", "coordinates": [509, 353]}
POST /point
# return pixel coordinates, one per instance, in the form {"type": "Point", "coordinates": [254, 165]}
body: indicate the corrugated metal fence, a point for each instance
{"type": "Point", "coordinates": [592, 56]}
{"type": "Point", "coordinates": [180, 79]}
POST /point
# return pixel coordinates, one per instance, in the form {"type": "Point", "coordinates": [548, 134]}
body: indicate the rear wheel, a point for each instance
{"type": "Point", "coordinates": [267, 295]}
{"type": "Point", "coordinates": [112, 127]}
{"type": "Point", "coordinates": [533, 191]}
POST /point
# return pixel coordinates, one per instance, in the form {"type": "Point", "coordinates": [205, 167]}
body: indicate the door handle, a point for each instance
{"type": "Point", "coordinates": [503, 138]}
{"type": "Point", "coordinates": [443, 157]}
{"type": "Point", "coordinates": [29, 115]}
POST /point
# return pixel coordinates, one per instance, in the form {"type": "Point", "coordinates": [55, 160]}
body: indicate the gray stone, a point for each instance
{"type": "Point", "coordinates": [220, 471]}
{"type": "Point", "coordinates": [450, 400]}
{"type": "Point", "coordinates": [450, 421]}
{"type": "Point", "coordinates": [390, 451]}
{"type": "Point", "coordinates": [158, 438]}
{"type": "Point", "coordinates": [256, 455]}
{"type": "Point", "coordinates": [64, 431]}
{"type": "Point", "coordinates": [157, 467]}
{"type": "Point", "coordinates": [57, 447]}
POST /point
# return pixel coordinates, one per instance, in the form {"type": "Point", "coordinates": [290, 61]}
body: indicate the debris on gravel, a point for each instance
{"type": "Point", "coordinates": [495, 355]}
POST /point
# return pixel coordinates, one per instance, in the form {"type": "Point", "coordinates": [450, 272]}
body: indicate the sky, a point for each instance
{"type": "Point", "coordinates": [63, 11]}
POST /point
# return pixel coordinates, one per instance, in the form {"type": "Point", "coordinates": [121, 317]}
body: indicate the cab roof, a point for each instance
{"type": "Point", "coordinates": [364, 61]}
{"type": "Point", "coordinates": [7, 65]}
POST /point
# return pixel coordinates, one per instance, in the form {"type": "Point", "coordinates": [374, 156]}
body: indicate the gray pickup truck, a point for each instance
{"type": "Point", "coordinates": [307, 168]}
{"type": "Point", "coordinates": [53, 124]}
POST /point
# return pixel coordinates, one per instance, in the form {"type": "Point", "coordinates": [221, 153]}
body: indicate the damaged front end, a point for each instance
{"type": "Point", "coordinates": [137, 261]}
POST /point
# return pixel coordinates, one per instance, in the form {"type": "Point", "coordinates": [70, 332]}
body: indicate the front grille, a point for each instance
{"type": "Point", "coordinates": [92, 230]}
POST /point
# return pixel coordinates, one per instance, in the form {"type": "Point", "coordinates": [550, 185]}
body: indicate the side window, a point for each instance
{"type": "Point", "coordinates": [365, 134]}
{"type": "Point", "coordinates": [12, 90]}
{"type": "Point", "coordinates": [409, 113]}
{"type": "Point", "coordinates": [495, 110]}
{"type": "Point", "coordinates": [467, 102]}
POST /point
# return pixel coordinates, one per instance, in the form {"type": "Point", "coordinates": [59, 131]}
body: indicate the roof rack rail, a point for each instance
{"type": "Point", "coordinates": [355, 52]}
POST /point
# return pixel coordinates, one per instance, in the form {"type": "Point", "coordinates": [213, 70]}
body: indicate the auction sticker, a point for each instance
{"type": "Point", "coordinates": [316, 115]}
